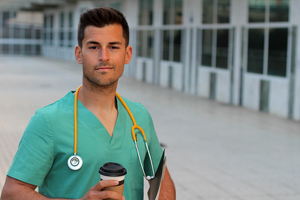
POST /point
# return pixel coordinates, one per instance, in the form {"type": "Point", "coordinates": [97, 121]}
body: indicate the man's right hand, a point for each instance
{"type": "Point", "coordinates": [17, 190]}
{"type": "Point", "coordinates": [97, 193]}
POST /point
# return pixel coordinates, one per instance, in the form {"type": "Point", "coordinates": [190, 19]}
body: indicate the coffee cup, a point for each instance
{"type": "Point", "coordinates": [113, 171]}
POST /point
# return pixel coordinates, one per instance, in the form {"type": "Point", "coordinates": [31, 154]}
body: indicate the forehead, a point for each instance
{"type": "Point", "coordinates": [109, 33]}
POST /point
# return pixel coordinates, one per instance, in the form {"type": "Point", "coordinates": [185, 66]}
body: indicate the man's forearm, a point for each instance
{"type": "Point", "coordinates": [167, 190]}
{"type": "Point", "coordinates": [16, 190]}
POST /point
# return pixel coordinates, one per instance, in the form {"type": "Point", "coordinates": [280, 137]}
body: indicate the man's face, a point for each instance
{"type": "Point", "coordinates": [103, 54]}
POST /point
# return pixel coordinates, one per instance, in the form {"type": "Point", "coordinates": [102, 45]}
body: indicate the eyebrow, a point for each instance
{"type": "Point", "coordinates": [111, 43]}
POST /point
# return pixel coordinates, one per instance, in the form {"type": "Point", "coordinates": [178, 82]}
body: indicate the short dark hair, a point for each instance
{"type": "Point", "coordinates": [101, 17]}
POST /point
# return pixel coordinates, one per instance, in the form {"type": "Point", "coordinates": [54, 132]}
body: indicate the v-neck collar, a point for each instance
{"type": "Point", "coordinates": [90, 121]}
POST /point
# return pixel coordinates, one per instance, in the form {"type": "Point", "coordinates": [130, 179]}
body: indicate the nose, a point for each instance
{"type": "Point", "coordinates": [104, 55]}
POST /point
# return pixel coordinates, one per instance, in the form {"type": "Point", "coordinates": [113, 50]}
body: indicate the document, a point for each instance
{"type": "Point", "coordinates": [154, 188]}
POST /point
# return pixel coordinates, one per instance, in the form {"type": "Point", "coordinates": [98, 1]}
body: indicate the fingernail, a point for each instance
{"type": "Point", "coordinates": [116, 182]}
{"type": "Point", "coordinates": [123, 198]}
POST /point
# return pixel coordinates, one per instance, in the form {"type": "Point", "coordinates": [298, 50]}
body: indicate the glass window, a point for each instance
{"type": "Point", "coordinates": [215, 11]}
{"type": "Point", "coordinates": [256, 50]}
{"type": "Point", "coordinates": [17, 32]}
{"type": "Point", "coordinates": [27, 49]}
{"type": "Point", "coordinates": [215, 48]}
{"type": "Point", "coordinates": [207, 41]}
{"type": "Point", "coordinates": [70, 39]}
{"type": "Point", "coordinates": [45, 23]}
{"type": "Point", "coordinates": [172, 44]}
{"type": "Point", "coordinates": [145, 12]}
{"type": "Point", "coordinates": [61, 22]}
{"type": "Point", "coordinates": [257, 10]}
{"type": "Point", "coordinates": [61, 32]}
{"type": "Point", "coordinates": [61, 38]}
{"type": "Point", "coordinates": [70, 18]}
{"type": "Point", "coordinates": [177, 46]}
{"type": "Point", "coordinates": [28, 33]}
{"type": "Point", "coordinates": [145, 43]}
{"type": "Point", "coordinates": [277, 58]}
{"type": "Point", "coordinates": [166, 44]}
{"type": "Point", "coordinates": [5, 48]}
{"type": "Point", "coordinates": [222, 48]}
{"type": "Point", "coordinates": [17, 49]}
{"type": "Point", "coordinates": [172, 12]}
{"type": "Point", "coordinates": [279, 10]}
{"type": "Point", "coordinates": [208, 7]}
{"type": "Point", "coordinates": [5, 18]}
{"type": "Point", "coordinates": [223, 11]}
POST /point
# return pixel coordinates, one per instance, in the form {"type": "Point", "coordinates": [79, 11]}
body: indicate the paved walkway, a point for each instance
{"type": "Point", "coordinates": [215, 151]}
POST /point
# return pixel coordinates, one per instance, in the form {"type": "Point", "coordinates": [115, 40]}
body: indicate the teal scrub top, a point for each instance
{"type": "Point", "coordinates": [48, 142]}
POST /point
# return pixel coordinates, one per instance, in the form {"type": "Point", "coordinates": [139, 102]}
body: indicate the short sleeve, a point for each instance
{"type": "Point", "coordinates": [34, 157]}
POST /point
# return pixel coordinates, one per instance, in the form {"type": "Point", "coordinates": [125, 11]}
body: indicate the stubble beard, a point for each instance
{"type": "Point", "coordinates": [96, 82]}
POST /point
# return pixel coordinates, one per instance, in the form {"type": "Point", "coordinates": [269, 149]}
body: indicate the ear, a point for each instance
{"type": "Point", "coordinates": [128, 54]}
{"type": "Point", "coordinates": [78, 55]}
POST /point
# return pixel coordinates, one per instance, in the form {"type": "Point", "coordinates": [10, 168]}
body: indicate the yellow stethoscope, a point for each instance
{"type": "Point", "coordinates": [75, 162]}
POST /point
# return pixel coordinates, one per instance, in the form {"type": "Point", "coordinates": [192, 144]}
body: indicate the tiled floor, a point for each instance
{"type": "Point", "coordinates": [215, 151]}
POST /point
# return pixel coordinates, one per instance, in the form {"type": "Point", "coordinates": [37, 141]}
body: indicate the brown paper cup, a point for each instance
{"type": "Point", "coordinates": [113, 171]}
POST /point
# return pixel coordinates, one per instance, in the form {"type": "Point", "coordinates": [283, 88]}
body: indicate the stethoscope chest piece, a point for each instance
{"type": "Point", "coordinates": [75, 162]}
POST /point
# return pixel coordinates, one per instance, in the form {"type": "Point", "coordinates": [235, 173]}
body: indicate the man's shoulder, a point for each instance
{"type": "Point", "coordinates": [134, 106]}
{"type": "Point", "coordinates": [61, 105]}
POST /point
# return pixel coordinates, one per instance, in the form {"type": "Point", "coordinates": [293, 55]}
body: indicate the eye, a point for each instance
{"type": "Point", "coordinates": [113, 47]}
{"type": "Point", "coordinates": [93, 47]}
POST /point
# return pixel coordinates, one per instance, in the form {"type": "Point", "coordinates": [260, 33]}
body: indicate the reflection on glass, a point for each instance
{"type": "Point", "coordinates": [70, 19]}
{"type": "Point", "coordinates": [255, 50]}
{"type": "Point", "coordinates": [27, 49]}
{"type": "Point", "coordinates": [70, 38]}
{"type": "Point", "coordinates": [62, 16]}
{"type": "Point", "coordinates": [5, 48]}
{"type": "Point", "coordinates": [17, 48]}
{"type": "Point", "coordinates": [207, 6]}
{"type": "Point", "coordinates": [257, 10]}
{"type": "Point", "coordinates": [140, 44]}
{"type": "Point", "coordinates": [17, 32]}
{"type": "Point", "coordinates": [45, 22]}
{"type": "Point", "coordinates": [172, 12]}
{"type": "Point", "coordinates": [222, 48]}
{"type": "Point", "coordinates": [177, 45]}
{"type": "Point", "coordinates": [178, 12]}
{"type": "Point", "coordinates": [145, 12]}
{"type": "Point", "coordinates": [166, 45]}
{"type": "Point", "coordinates": [145, 44]}
{"type": "Point", "coordinates": [38, 34]}
{"type": "Point", "coordinates": [223, 11]}
{"type": "Point", "coordinates": [149, 44]}
{"type": "Point", "coordinates": [206, 48]}
{"type": "Point", "coordinates": [279, 10]}
{"type": "Point", "coordinates": [277, 52]}
{"type": "Point", "coordinates": [61, 38]}
{"type": "Point", "coordinates": [167, 12]}
{"type": "Point", "coordinates": [28, 33]}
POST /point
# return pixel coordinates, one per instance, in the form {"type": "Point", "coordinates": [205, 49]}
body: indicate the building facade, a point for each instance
{"type": "Point", "coordinates": [239, 52]}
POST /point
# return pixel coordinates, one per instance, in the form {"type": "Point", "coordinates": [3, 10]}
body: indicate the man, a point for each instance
{"type": "Point", "coordinates": [104, 126]}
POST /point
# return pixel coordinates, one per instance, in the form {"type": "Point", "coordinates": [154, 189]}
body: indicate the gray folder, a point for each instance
{"type": "Point", "coordinates": [154, 188]}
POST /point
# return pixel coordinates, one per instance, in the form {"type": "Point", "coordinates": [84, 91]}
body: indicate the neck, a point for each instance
{"type": "Point", "coordinates": [101, 98]}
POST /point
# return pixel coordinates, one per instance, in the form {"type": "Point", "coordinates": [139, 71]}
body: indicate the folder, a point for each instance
{"type": "Point", "coordinates": [153, 192]}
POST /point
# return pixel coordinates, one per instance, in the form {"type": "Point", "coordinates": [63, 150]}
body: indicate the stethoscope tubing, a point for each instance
{"type": "Point", "coordinates": [135, 126]}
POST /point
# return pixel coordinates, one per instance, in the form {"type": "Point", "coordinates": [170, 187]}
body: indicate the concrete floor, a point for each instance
{"type": "Point", "coordinates": [215, 151]}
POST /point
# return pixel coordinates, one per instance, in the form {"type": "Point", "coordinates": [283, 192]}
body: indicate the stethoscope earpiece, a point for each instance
{"type": "Point", "coordinates": [75, 162]}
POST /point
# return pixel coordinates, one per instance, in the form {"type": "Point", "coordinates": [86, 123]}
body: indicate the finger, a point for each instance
{"type": "Point", "coordinates": [108, 194]}
{"type": "Point", "coordinates": [105, 183]}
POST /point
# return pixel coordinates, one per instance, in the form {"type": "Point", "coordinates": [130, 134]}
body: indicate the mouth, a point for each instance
{"type": "Point", "coordinates": [104, 67]}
